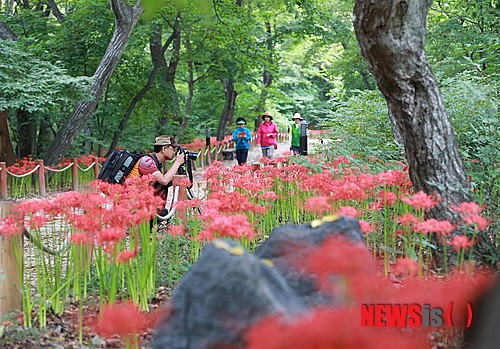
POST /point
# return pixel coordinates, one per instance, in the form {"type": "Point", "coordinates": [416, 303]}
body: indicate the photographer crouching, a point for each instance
{"type": "Point", "coordinates": [165, 149]}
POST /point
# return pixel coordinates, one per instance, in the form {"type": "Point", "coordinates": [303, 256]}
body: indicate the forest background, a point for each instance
{"type": "Point", "coordinates": [81, 77]}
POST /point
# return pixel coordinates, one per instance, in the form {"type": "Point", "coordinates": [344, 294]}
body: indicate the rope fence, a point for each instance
{"type": "Point", "coordinates": [42, 179]}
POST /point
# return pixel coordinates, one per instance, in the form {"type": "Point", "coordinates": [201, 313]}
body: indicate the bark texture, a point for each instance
{"type": "Point", "coordinates": [6, 33]}
{"type": "Point", "coordinates": [6, 150]}
{"type": "Point", "coordinates": [126, 18]}
{"type": "Point", "coordinates": [228, 111]}
{"type": "Point", "coordinates": [158, 58]}
{"type": "Point", "coordinates": [391, 35]}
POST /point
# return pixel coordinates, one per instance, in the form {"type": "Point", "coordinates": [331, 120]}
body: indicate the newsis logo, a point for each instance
{"type": "Point", "coordinates": [408, 315]}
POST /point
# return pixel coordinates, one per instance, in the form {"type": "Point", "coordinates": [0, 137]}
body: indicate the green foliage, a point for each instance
{"type": "Point", "coordinates": [472, 104]}
{"type": "Point", "coordinates": [362, 127]}
{"type": "Point", "coordinates": [34, 85]}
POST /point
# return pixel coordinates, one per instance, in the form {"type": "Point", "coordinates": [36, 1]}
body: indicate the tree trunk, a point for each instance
{"type": "Point", "coordinates": [6, 33]}
{"type": "Point", "coordinates": [6, 149]}
{"type": "Point", "coordinates": [171, 105]}
{"type": "Point", "coordinates": [228, 111]}
{"type": "Point", "coordinates": [396, 133]}
{"type": "Point", "coordinates": [391, 36]}
{"type": "Point", "coordinates": [158, 61]}
{"type": "Point", "coordinates": [267, 77]}
{"type": "Point", "coordinates": [55, 10]}
{"type": "Point", "coordinates": [126, 18]}
{"type": "Point", "coordinates": [26, 134]}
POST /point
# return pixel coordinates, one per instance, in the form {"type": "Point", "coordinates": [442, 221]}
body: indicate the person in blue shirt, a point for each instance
{"type": "Point", "coordinates": [241, 137]}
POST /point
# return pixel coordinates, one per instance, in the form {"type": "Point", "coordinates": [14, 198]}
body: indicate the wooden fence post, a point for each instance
{"type": "Point", "coordinates": [3, 180]}
{"type": "Point", "coordinates": [10, 286]}
{"type": "Point", "coordinates": [96, 167]}
{"type": "Point", "coordinates": [177, 180]}
{"type": "Point", "coordinates": [202, 159]}
{"type": "Point", "coordinates": [209, 156]}
{"type": "Point", "coordinates": [41, 178]}
{"type": "Point", "coordinates": [74, 175]}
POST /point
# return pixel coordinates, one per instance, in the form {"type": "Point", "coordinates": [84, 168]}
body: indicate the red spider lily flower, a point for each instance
{"type": "Point", "coordinates": [421, 201]}
{"type": "Point", "coordinates": [407, 219]}
{"type": "Point", "coordinates": [365, 227]}
{"type": "Point", "coordinates": [347, 211]}
{"type": "Point", "coordinates": [460, 242]}
{"type": "Point", "coordinates": [476, 219]}
{"type": "Point", "coordinates": [469, 213]}
{"type": "Point", "coordinates": [81, 239]}
{"type": "Point", "coordinates": [434, 226]}
{"type": "Point", "coordinates": [176, 230]}
{"type": "Point", "coordinates": [111, 235]}
{"type": "Point", "coordinates": [394, 178]}
{"type": "Point", "coordinates": [268, 195]}
{"type": "Point", "coordinates": [387, 197]}
{"type": "Point", "coordinates": [468, 208]}
{"type": "Point", "coordinates": [10, 227]}
{"type": "Point", "coordinates": [185, 182]}
{"type": "Point", "coordinates": [23, 166]}
{"type": "Point", "coordinates": [317, 204]}
{"type": "Point", "coordinates": [218, 225]}
{"type": "Point", "coordinates": [125, 256]}
{"type": "Point", "coordinates": [327, 328]}
{"type": "Point", "coordinates": [407, 266]}
{"type": "Point", "coordinates": [123, 319]}
{"type": "Point", "coordinates": [37, 221]}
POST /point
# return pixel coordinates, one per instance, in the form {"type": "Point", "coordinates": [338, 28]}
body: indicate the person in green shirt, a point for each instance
{"type": "Point", "coordinates": [295, 133]}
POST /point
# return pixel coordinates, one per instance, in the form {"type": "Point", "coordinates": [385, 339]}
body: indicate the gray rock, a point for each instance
{"type": "Point", "coordinates": [226, 292]}
{"type": "Point", "coordinates": [287, 246]}
{"type": "Point", "coordinates": [228, 289]}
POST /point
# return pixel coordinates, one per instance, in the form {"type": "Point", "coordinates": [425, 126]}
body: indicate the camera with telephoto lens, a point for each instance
{"type": "Point", "coordinates": [187, 154]}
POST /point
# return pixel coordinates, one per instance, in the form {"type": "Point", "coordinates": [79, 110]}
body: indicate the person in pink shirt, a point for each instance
{"type": "Point", "coordinates": [266, 135]}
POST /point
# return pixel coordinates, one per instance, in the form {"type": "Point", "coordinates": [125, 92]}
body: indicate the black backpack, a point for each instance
{"type": "Point", "coordinates": [118, 165]}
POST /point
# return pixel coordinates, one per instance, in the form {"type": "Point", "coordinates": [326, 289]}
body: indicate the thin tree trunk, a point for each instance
{"type": "Point", "coordinates": [391, 36]}
{"type": "Point", "coordinates": [228, 111]}
{"type": "Point", "coordinates": [267, 77]}
{"type": "Point", "coordinates": [26, 134]}
{"type": "Point", "coordinates": [55, 10]}
{"type": "Point", "coordinates": [173, 111]}
{"type": "Point", "coordinates": [6, 149]}
{"type": "Point", "coordinates": [126, 18]}
{"type": "Point", "coordinates": [143, 91]}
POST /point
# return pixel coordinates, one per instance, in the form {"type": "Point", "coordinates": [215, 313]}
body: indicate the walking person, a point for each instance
{"type": "Point", "coordinates": [294, 135]}
{"type": "Point", "coordinates": [241, 137]}
{"type": "Point", "coordinates": [266, 136]}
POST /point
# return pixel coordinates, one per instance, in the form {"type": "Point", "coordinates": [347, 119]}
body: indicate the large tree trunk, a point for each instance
{"type": "Point", "coordinates": [391, 35]}
{"type": "Point", "coordinates": [126, 18]}
{"type": "Point", "coordinates": [158, 58]}
{"type": "Point", "coordinates": [228, 111]}
{"type": "Point", "coordinates": [6, 150]}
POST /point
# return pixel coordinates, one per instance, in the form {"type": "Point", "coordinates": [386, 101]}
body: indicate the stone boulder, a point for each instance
{"type": "Point", "coordinates": [228, 289]}
{"type": "Point", "coordinates": [288, 245]}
